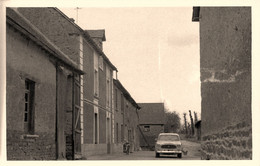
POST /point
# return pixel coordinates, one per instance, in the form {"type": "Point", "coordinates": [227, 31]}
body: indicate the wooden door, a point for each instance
{"type": "Point", "coordinates": [60, 113]}
{"type": "Point", "coordinates": [76, 118]}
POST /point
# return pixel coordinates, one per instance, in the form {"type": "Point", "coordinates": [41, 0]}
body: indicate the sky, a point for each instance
{"type": "Point", "coordinates": [155, 49]}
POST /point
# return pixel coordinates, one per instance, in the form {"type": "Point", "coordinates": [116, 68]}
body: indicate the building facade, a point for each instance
{"type": "Point", "coordinates": [126, 119]}
{"type": "Point", "coordinates": [92, 114]}
{"type": "Point", "coordinates": [225, 67]}
{"type": "Point", "coordinates": [97, 98]}
{"type": "Point", "coordinates": [41, 94]}
{"type": "Point", "coordinates": [152, 121]}
{"type": "Point", "coordinates": [79, 46]}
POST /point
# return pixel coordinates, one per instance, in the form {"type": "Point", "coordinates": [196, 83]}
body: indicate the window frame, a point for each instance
{"type": "Point", "coordinates": [96, 74]}
{"type": "Point", "coordinates": [108, 87]}
{"type": "Point", "coordinates": [122, 103]}
{"type": "Point", "coordinates": [147, 128]}
{"type": "Point", "coordinates": [117, 133]}
{"type": "Point", "coordinates": [108, 93]}
{"type": "Point", "coordinates": [122, 133]}
{"type": "Point", "coordinates": [101, 63]}
{"type": "Point", "coordinates": [116, 100]}
{"type": "Point", "coordinates": [28, 116]}
{"type": "Point", "coordinates": [96, 83]}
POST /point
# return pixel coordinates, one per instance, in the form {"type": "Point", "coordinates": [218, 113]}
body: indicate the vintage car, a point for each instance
{"type": "Point", "coordinates": [169, 144]}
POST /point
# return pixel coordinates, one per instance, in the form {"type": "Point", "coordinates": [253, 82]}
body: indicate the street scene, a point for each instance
{"type": "Point", "coordinates": [128, 83]}
{"type": "Point", "coordinates": [193, 153]}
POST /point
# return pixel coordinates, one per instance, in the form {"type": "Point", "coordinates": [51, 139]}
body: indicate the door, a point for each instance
{"type": "Point", "coordinates": [76, 118]}
{"type": "Point", "coordinates": [69, 119]}
{"type": "Point", "coordinates": [61, 94]}
{"type": "Point", "coordinates": [108, 135]}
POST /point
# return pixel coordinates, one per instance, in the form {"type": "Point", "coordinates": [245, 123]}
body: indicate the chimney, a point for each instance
{"type": "Point", "coordinates": [98, 36]}
{"type": "Point", "coordinates": [72, 19]}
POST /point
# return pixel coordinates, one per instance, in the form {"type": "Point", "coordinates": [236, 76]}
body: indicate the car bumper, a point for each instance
{"type": "Point", "coordinates": [169, 151]}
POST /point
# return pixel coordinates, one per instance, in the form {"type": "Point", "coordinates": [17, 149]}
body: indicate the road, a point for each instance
{"type": "Point", "coordinates": [191, 147]}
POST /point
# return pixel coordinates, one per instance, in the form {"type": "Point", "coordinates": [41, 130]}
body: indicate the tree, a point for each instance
{"type": "Point", "coordinates": [173, 122]}
{"type": "Point", "coordinates": [192, 124]}
{"type": "Point", "coordinates": [189, 129]}
{"type": "Point", "coordinates": [185, 123]}
{"type": "Point", "coordinates": [195, 117]}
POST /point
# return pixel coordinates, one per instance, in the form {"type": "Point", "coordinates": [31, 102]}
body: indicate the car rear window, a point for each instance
{"type": "Point", "coordinates": [169, 138]}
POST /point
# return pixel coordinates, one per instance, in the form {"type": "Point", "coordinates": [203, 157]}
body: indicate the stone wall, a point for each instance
{"type": "Point", "coordinates": [118, 116]}
{"type": "Point", "coordinates": [26, 60]}
{"type": "Point", "coordinates": [234, 142]}
{"type": "Point", "coordinates": [225, 66]}
{"type": "Point", "coordinates": [20, 147]}
{"type": "Point", "coordinates": [62, 32]}
{"type": "Point", "coordinates": [88, 90]}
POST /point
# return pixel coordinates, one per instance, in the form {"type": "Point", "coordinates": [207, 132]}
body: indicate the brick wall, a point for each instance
{"type": "Point", "coordinates": [26, 60]}
{"type": "Point", "coordinates": [225, 60]}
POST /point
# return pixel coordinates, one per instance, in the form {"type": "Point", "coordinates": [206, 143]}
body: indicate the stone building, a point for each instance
{"type": "Point", "coordinates": [225, 67]}
{"type": "Point", "coordinates": [93, 131]}
{"type": "Point", "coordinates": [151, 123]}
{"type": "Point", "coordinates": [97, 97]}
{"type": "Point", "coordinates": [126, 119]}
{"type": "Point", "coordinates": [95, 86]}
{"type": "Point", "coordinates": [41, 94]}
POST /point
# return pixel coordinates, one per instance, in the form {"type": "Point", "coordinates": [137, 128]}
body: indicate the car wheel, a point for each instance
{"type": "Point", "coordinates": [157, 154]}
{"type": "Point", "coordinates": [179, 155]}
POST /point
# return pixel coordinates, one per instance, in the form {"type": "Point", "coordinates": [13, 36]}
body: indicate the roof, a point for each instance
{"type": "Point", "coordinates": [125, 93]}
{"type": "Point", "coordinates": [87, 36]}
{"type": "Point", "coordinates": [152, 113]}
{"type": "Point", "coordinates": [19, 22]}
{"type": "Point", "coordinates": [99, 33]}
{"type": "Point", "coordinates": [196, 14]}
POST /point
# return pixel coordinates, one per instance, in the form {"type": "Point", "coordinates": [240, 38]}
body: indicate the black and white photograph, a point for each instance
{"type": "Point", "coordinates": [97, 81]}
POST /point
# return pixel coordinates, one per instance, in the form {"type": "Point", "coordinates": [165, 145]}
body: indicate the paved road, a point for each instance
{"type": "Point", "coordinates": [192, 147]}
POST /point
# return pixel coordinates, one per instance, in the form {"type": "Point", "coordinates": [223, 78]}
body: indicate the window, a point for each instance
{"type": "Point", "coordinates": [122, 133]}
{"type": "Point", "coordinates": [96, 83]}
{"type": "Point", "coordinates": [29, 107]}
{"type": "Point", "coordinates": [117, 140]}
{"type": "Point", "coordinates": [96, 128]}
{"type": "Point", "coordinates": [108, 93]}
{"type": "Point", "coordinates": [96, 78]}
{"type": "Point", "coordinates": [108, 88]}
{"type": "Point", "coordinates": [116, 104]}
{"type": "Point", "coordinates": [100, 62]}
{"type": "Point", "coordinates": [96, 123]}
{"type": "Point", "coordinates": [122, 103]}
{"type": "Point", "coordinates": [169, 138]}
{"type": "Point", "coordinates": [146, 128]}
